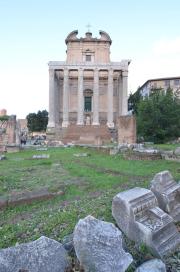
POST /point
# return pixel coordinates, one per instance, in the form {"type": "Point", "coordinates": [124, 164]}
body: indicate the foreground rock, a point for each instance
{"type": "Point", "coordinates": [98, 246]}
{"type": "Point", "coordinates": [177, 151]}
{"type": "Point", "coordinates": [42, 255]}
{"type": "Point", "coordinates": [2, 157]}
{"type": "Point", "coordinates": [137, 214]}
{"type": "Point", "coordinates": [42, 156]}
{"type": "Point", "coordinates": [167, 192]}
{"type": "Point", "coordinates": [154, 265]}
{"type": "Point", "coordinates": [81, 155]}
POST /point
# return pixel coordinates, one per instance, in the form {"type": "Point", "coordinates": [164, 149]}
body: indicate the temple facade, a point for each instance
{"type": "Point", "coordinates": [87, 92]}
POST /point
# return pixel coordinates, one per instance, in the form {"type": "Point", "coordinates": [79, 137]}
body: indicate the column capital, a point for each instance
{"type": "Point", "coordinates": [96, 69]}
{"type": "Point", "coordinates": [110, 69]}
{"type": "Point", "coordinates": [125, 73]}
{"type": "Point", "coordinates": [80, 72]}
{"type": "Point", "coordinates": [66, 71]}
{"type": "Point", "coordinates": [51, 72]}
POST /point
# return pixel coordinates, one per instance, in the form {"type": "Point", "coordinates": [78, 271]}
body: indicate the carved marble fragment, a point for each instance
{"type": "Point", "coordinates": [167, 192]}
{"type": "Point", "coordinates": [137, 214]}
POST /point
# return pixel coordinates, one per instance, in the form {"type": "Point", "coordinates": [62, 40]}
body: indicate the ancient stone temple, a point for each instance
{"type": "Point", "coordinates": [87, 92]}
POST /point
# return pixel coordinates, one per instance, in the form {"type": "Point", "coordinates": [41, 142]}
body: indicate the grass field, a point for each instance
{"type": "Point", "coordinates": [89, 184]}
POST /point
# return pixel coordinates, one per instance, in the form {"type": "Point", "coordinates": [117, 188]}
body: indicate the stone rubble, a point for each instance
{"type": "Point", "coordinates": [42, 156]}
{"type": "Point", "coordinates": [154, 265]}
{"type": "Point", "coordinates": [2, 157]}
{"type": "Point", "coordinates": [81, 155]}
{"type": "Point", "coordinates": [167, 192]}
{"type": "Point", "coordinates": [42, 255]}
{"type": "Point", "coordinates": [177, 151]}
{"type": "Point", "coordinates": [137, 214]}
{"type": "Point", "coordinates": [98, 246]}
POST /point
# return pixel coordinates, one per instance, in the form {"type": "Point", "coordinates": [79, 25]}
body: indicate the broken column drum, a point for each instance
{"type": "Point", "coordinates": [137, 214]}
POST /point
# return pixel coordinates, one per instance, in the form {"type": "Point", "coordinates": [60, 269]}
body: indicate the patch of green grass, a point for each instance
{"type": "Point", "coordinates": [89, 184]}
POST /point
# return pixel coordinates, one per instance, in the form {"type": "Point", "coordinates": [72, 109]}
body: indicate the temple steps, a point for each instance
{"type": "Point", "coordinates": [86, 134]}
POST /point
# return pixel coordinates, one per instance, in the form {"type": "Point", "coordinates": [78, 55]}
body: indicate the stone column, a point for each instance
{"type": "Point", "coordinates": [124, 95]}
{"type": "Point", "coordinates": [57, 97]}
{"type": "Point", "coordinates": [51, 122]}
{"type": "Point", "coordinates": [110, 122]}
{"type": "Point", "coordinates": [96, 98]}
{"type": "Point", "coordinates": [65, 122]}
{"type": "Point", "coordinates": [120, 95]}
{"type": "Point", "coordinates": [80, 117]}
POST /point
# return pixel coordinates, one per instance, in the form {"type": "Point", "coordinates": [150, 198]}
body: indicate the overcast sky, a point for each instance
{"type": "Point", "coordinates": [32, 32]}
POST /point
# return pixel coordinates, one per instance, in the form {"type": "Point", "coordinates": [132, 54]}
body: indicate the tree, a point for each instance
{"type": "Point", "coordinates": [158, 116]}
{"type": "Point", "coordinates": [37, 121]}
{"type": "Point", "coordinates": [134, 100]}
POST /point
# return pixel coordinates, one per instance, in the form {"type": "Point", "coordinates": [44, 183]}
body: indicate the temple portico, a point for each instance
{"type": "Point", "coordinates": [88, 89]}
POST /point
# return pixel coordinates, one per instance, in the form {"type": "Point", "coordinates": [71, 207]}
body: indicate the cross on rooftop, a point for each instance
{"type": "Point", "coordinates": [88, 27]}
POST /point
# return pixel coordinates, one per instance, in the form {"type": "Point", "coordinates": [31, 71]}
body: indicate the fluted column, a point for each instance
{"type": "Point", "coordinates": [65, 122]}
{"type": "Point", "coordinates": [124, 93]}
{"type": "Point", "coordinates": [80, 118]}
{"type": "Point", "coordinates": [96, 98]}
{"type": "Point", "coordinates": [52, 114]}
{"type": "Point", "coordinates": [110, 122]}
{"type": "Point", "coordinates": [120, 95]}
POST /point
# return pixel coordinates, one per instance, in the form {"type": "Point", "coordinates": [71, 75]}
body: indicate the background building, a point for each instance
{"type": "Point", "coordinates": [161, 83]}
{"type": "Point", "coordinates": [87, 92]}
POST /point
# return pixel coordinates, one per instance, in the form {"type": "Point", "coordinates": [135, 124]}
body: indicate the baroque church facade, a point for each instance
{"type": "Point", "coordinates": [87, 92]}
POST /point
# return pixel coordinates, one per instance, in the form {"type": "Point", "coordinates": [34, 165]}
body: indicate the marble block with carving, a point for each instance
{"type": "Point", "coordinates": [167, 192]}
{"type": "Point", "coordinates": [137, 214]}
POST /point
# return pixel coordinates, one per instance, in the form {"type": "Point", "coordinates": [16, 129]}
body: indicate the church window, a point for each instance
{"type": "Point", "coordinates": [87, 103]}
{"type": "Point", "coordinates": [88, 57]}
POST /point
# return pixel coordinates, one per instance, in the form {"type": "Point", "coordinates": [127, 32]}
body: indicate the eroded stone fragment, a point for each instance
{"type": "Point", "coordinates": [154, 265]}
{"type": "Point", "coordinates": [177, 151]}
{"type": "Point", "coordinates": [42, 255]}
{"type": "Point", "coordinates": [98, 246]}
{"type": "Point", "coordinates": [167, 192]}
{"type": "Point", "coordinates": [138, 216]}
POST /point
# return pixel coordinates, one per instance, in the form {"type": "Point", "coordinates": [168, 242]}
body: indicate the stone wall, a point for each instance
{"type": "Point", "coordinates": [8, 133]}
{"type": "Point", "coordinates": [126, 129]}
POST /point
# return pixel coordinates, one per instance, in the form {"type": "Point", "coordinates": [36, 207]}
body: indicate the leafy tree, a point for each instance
{"type": "Point", "coordinates": [3, 121]}
{"type": "Point", "coordinates": [134, 100]}
{"type": "Point", "coordinates": [158, 116]}
{"type": "Point", "coordinates": [37, 121]}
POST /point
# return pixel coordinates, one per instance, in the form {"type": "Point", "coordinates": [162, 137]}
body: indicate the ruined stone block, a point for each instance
{"type": "Point", "coordinates": [167, 192]}
{"type": "Point", "coordinates": [154, 265]}
{"type": "Point", "coordinates": [98, 246]}
{"type": "Point", "coordinates": [137, 214]}
{"type": "Point", "coordinates": [42, 255]}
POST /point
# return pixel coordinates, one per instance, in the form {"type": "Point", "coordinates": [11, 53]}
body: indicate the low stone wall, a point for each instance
{"type": "Point", "coordinates": [134, 155]}
{"type": "Point", "coordinates": [27, 198]}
